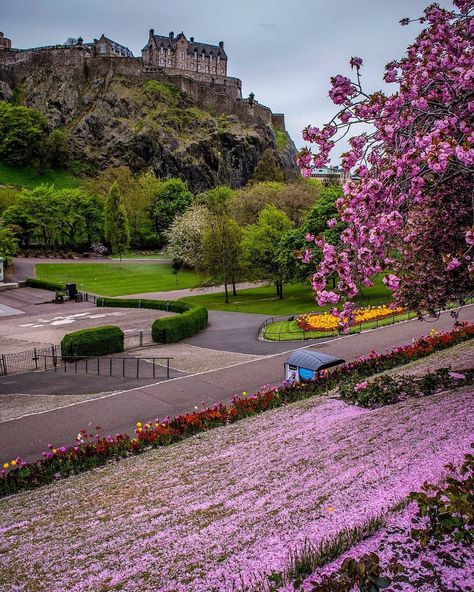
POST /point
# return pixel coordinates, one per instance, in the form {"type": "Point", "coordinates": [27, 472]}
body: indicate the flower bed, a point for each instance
{"type": "Point", "coordinates": [328, 322]}
{"type": "Point", "coordinates": [91, 450]}
{"type": "Point", "coordinates": [386, 390]}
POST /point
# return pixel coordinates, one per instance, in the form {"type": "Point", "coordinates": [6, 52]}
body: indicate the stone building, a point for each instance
{"type": "Point", "coordinates": [105, 47]}
{"type": "Point", "coordinates": [185, 56]}
{"type": "Point", "coordinates": [330, 175]}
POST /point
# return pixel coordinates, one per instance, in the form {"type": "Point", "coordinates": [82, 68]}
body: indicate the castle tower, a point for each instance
{"type": "Point", "coordinates": [5, 43]}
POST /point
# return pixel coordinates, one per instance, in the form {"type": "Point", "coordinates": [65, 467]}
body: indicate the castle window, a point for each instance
{"type": "Point", "coordinates": [162, 50]}
{"type": "Point", "coordinates": [182, 55]}
{"type": "Point", "coordinates": [169, 62]}
{"type": "Point", "coordinates": [103, 48]}
{"type": "Point", "coordinates": [162, 61]}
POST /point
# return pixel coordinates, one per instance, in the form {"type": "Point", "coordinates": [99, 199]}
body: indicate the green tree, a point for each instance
{"type": "Point", "coordinates": [261, 244]}
{"type": "Point", "coordinates": [56, 149]}
{"type": "Point", "coordinates": [294, 243]}
{"type": "Point", "coordinates": [222, 255]}
{"type": "Point", "coordinates": [218, 200]}
{"type": "Point", "coordinates": [22, 134]}
{"type": "Point", "coordinates": [295, 199]}
{"type": "Point", "coordinates": [171, 198]}
{"type": "Point", "coordinates": [8, 243]}
{"type": "Point", "coordinates": [137, 194]}
{"type": "Point", "coordinates": [56, 218]}
{"type": "Point", "coordinates": [267, 168]}
{"type": "Point", "coordinates": [117, 231]}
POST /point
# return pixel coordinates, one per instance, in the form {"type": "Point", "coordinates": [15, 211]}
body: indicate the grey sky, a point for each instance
{"type": "Point", "coordinates": [284, 51]}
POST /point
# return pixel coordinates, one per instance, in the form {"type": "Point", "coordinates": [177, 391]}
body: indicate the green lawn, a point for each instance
{"type": "Point", "coordinates": [297, 299]}
{"type": "Point", "coordinates": [27, 177]}
{"type": "Point", "coordinates": [113, 279]}
{"type": "Point", "coordinates": [289, 330]}
{"type": "Point", "coordinates": [148, 255]}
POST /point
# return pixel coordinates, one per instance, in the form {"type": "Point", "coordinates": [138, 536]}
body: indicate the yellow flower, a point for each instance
{"type": "Point", "coordinates": [140, 430]}
{"type": "Point", "coordinates": [139, 424]}
{"type": "Point", "coordinates": [330, 509]}
{"type": "Point", "coordinates": [157, 425]}
{"type": "Point", "coordinates": [13, 463]}
{"type": "Point", "coordinates": [6, 465]}
{"type": "Point", "coordinates": [244, 393]}
{"type": "Point", "coordinates": [54, 450]}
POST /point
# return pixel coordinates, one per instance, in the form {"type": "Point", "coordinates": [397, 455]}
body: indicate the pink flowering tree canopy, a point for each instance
{"type": "Point", "coordinates": [411, 214]}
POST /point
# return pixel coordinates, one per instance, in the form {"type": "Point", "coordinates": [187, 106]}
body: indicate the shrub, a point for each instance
{"type": "Point", "coordinates": [386, 390]}
{"type": "Point", "coordinates": [192, 317]}
{"type": "Point", "coordinates": [96, 341]}
{"type": "Point", "coordinates": [45, 285]}
{"type": "Point", "coordinates": [187, 324]}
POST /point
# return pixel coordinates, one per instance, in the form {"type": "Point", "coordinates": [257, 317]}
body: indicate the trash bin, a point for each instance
{"type": "Point", "coordinates": [71, 291]}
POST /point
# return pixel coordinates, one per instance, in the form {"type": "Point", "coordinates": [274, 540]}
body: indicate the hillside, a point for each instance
{"type": "Point", "coordinates": [146, 123]}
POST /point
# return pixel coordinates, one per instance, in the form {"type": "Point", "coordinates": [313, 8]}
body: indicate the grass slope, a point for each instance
{"type": "Point", "coordinates": [30, 178]}
{"type": "Point", "coordinates": [298, 298]}
{"type": "Point", "coordinates": [229, 503]}
{"type": "Point", "coordinates": [113, 279]}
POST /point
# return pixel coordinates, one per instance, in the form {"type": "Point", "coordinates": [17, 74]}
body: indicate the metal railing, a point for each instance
{"type": "Point", "coordinates": [118, 367]}
{"type": "Point", "coordinates": [27, 361]}
{"type": "Point", "coordinates": [35, 359]}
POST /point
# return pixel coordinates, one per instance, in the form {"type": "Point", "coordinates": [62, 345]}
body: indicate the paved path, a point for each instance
{"type": "Point", "coordinates": [29, 436]}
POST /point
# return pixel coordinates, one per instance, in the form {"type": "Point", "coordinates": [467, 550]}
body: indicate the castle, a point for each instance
{"type": "Point", "coordinates": [173, 54]}
{"type": "Point", "coordinates": [199, 69]}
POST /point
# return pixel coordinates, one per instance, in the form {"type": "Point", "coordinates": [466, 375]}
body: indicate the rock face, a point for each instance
{"type": "Point", "coordinates": [147, 122]}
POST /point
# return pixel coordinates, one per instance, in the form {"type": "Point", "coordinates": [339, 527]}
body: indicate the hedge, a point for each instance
{"type": "Point", "coordinates": [192, 318]}
{"type": "Point", "coordinates": [45, 285]}
{"type": "Point", "coordinates": [96, 341]}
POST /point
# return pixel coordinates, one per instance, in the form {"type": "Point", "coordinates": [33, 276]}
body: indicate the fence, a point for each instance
{"type": "Point", "coordinates": [28, 361]}
{"type": "Point", "coordinates": [49, 357]}
{"type": "Point", "coordinates": [298, 334]}
{"type": "Point", "coordinates": [109, 366]}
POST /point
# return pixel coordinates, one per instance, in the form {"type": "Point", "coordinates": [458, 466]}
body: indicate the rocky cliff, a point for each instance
{"type": "Point", "coordinates": [147, 121]}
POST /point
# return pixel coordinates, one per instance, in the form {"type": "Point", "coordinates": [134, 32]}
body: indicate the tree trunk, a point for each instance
{"type": "Point", "coordinates": [281, 290]}
{"type": "Point", "coordinates": [234, 289]}
{"type": "Point", "coordinates": [226, 293]}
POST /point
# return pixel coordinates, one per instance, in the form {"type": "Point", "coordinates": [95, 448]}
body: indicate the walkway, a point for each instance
{"type": "Point", "coordinates": [30, 435]}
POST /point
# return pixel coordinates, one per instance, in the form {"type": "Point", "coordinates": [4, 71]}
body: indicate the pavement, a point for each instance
{"type": "Point", "coordinates": [29, 435]}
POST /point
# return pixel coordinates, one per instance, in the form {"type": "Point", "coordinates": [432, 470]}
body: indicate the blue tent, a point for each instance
{"type": "Point", "coordinates": [303, 364]}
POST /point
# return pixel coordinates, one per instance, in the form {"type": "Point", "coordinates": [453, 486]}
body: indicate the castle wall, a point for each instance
{"type": "Point", "coordinates": [223, 95]}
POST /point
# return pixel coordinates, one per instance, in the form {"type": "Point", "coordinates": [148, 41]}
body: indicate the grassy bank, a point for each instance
{"type": "Point", "coordinates": [113, 279]}
{"type": "Point", "coordinates": [298, 298]}
{"type": "Point", "coordinates": [30, 178]}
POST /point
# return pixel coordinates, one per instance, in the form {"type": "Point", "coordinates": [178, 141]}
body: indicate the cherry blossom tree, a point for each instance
{"type": "Point", "coordinates": [411, 214]}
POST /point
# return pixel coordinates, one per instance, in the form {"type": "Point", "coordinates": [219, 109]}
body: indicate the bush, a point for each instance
{"type": "Point", "coordinates": [96, 341]}
{"type": "Point", "coordinates": [45, 285]}
{"type": "Point", "coordinates": [192, 317]}
{"type": "Point", "coordinates": [187, 324]}
{"type": "Point", "coordinates": [387, 390]}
